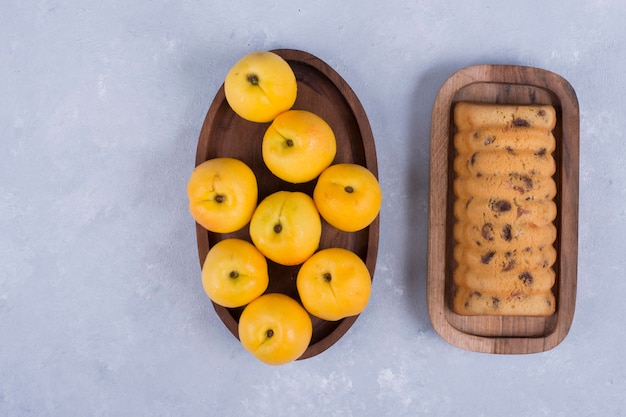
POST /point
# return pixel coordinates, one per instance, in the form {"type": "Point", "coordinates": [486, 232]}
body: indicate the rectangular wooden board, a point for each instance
{"type": "Point", "coordinates": [503, 84]}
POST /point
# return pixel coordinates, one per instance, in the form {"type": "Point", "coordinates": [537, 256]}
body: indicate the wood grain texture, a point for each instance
{"type": "Point", "coordinates": [503, 84]}
{"type": "Point", "coordinates": [323, 91]}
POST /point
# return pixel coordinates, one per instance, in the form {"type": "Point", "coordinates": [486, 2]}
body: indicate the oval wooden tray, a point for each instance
{"type": "Point", "coordinates": [511, 85]}
{"type": "Point", "coordinates": [322, 91]}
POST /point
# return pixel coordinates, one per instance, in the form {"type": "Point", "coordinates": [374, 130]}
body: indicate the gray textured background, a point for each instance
{"type": "Point", "coordinates": [101, 308]}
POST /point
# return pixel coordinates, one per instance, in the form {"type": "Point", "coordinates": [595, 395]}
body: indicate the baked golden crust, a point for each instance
{"type": "Point", "coordinates": [471, 302]}
{"type": "Point", "coordinates": [504, 209]}
{"type": "Point", "coordinates": [473, 116]}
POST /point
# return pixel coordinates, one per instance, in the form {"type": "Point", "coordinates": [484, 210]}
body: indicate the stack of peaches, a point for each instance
{"type": "Point", "coordinates": [285, 227]}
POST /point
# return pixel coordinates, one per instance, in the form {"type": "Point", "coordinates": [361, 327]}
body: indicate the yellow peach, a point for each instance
{"type": "Point", "coordinates": [222, 194]}
{"type": "Point", "coordinates": [334, 283]}
{"type": "Point", "coordinates": [286, 227]}
{"type": "Point", "coordinates": [348, 196]}
{"type": "Point", "coordinates": [298, 146]}
{"type": "Point", "coordinates": [234, 273]}
{"type": "Point", "coordinates": [260, 86]}
{"type": "Point", "coordinates": [275, 328]}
